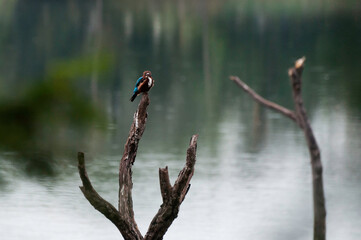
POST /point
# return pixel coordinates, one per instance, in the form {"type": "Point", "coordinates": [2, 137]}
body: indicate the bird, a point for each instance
{"type": "Point", "coordinates": [143, 84]}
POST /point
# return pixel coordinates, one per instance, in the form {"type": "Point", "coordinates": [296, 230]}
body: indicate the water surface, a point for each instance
{"type": "Point", "coordinates": [252, 177]}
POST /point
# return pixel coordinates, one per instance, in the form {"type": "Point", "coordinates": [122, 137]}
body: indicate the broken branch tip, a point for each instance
{"type": "Point", "coordinates": [194, 139]}
{"type": "Point", "coordinates": [300, 62]}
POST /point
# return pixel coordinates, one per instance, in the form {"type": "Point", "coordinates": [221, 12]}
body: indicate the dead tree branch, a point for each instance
{"type": "Point", "coordinates": [319, 208]}
{"type": "Point", "coordinates": [274, 106]}
{"type": "Point", "coordinates": [125, 203]}
{"type": "Point", "coordinates": [123, 218]}
{"type": "Point", "coordinates": [300, 117]}
{"type": "Point", "coordinates": [172, 196]}
{"type": "Point", "coordinates": [107, 209]}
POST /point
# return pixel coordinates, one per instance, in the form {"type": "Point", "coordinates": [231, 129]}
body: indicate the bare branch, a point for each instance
{"type": "Point", "coordinates": [184, 177]}
{"type": "Point", "coordinates": [126, 163]}
{"type": "Point", "coordinates": [171, 203]}
{"type": "Point", "coordinates": [124, 217]}
{"type": "Point", "coordinates": [107, 209]}
{"type": "Point", "coordinates": [172, 196]}
{"type": "Point", "coordinates": [165, 186]}
{"type": "Point", "coordinates": [274, 106]}
{"type": "Point", "coordinates": [300, 117]}
{"type": "Point", "coordinates": [295, 75]}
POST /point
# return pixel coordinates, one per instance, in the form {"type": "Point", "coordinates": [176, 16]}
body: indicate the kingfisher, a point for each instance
{"type": "Point", "coordinates": [144, 84]}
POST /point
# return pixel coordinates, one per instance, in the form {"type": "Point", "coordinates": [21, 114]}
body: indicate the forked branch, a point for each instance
{"type": "Point", "coordinates": [123, 218]}
{"type": "Point", "coordinates": [172, 196]}
{"type": "Point", "coordinates": [300, 117]}
{"type": "Point", "coordinates": [319, 208]}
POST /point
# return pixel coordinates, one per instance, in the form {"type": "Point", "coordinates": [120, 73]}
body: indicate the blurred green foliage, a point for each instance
{"type": "Point", "coordinates": [33, 119]}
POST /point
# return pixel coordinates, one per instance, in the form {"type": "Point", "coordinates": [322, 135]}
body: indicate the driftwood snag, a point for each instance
{"type": "Point", "coordinates": [299, 116]}
{"type": "Point", "coordinates": [319, 208]}
{"type": "Point", "coordinates": [172, 196]}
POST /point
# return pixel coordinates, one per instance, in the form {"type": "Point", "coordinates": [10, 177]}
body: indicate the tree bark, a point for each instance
{"type": "Point", "coordinates": [95, 199]}
{"type": "Point", "coordinates": [123, 218]}
{"type": "Point", "coordinates": [299, 116]}
{"type": "Point", "coordinates": [125, 204]}
{"type": "Point", "coordinates": [319, 208]}
{"type": "Point", "coordinates": [172, 196]}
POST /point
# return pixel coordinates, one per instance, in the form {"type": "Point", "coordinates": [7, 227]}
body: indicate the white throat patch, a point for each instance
{"type": "Point", "coordinates": [150, 82]}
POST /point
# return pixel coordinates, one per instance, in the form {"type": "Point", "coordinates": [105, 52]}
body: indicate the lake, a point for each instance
{"type": "Point", "coordinates": [68, 69]}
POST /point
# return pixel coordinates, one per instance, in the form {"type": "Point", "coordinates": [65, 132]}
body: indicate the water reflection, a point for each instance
{"type": "Point", "coordinates": [252, 177]}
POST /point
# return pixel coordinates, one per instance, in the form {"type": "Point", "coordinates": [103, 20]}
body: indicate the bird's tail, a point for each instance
{"type": "Point", "coordinates": [133, 97]}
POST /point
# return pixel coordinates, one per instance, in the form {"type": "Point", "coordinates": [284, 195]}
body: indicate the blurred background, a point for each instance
{"type": "Point", "coordinates": [67, 71]}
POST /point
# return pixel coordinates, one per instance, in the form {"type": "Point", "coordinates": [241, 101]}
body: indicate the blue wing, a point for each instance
{"type": "Point", "coordinates": [139, 81]}
{"type": "Point", "coordinates": [137, 84]}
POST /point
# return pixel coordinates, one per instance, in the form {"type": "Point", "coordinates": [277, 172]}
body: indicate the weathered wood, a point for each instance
{"type": "Point", "coordinates": [100, 204]}
{"type": "Point", "coordinates": [319, 208]}
{"type": "Point", "coordinates": [164, 182]}
{"type": "Point", "coordinates": [123, 218]}
{"type": "Point", "coordinates": [299, 116]}
{"type": "Point", "coordinates": [125, 204]}
{"type": "Point", "coordinates": [172, 196]}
